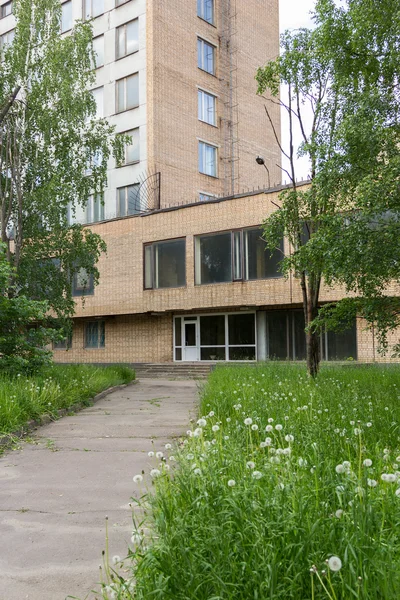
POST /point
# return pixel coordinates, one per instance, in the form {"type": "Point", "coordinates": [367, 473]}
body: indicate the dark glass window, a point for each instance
{"type": "Point", "coordinates": [243, 353]}
{"type": "Point", "coordinates": [298, 342]}
{"type": "Point", "coordinates": [342, 344]}
{"type": "Point", "coordinates": [241, 330]}
{"type": "Point", "coordinates": [212, 354]}
{"type": "Point", "coordinates": [178, 331]}
{"type": "Point", "coordinates": [64, 344]}
{"type": "Point", "coordinates": [165, 264]}
{"type": "Point", "coordinates": [212, 330]}
{"type": "Point", "coordinates": [95, 334]}
{"type": "Point", "coordinates": [260, 262]}
{"type": "Point", "coordinates": [214, 258]}
{"type": "Point", "coordinates": [278, 335]}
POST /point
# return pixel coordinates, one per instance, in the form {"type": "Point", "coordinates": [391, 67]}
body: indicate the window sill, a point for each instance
{"type": "Point", "coordinates": [207, 123]}
{"type": "Point", "coordinates": [117, 58]}
{"type": "Point", "coordinates": [208, 72]}
{"type": "Point", "coordinates": [120, 112]}
{"type": "Point", "coordinates": [208, 22]}
{"type": "Point", "coordinates": [173, 287]}
{"type": "Point", "coordinates": [207, 175]}
{"type": "Point", "coordinates": [129, 164]}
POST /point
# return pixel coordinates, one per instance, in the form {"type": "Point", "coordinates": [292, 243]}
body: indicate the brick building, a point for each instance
{"type": "Point", "coordinates": [186, 277]}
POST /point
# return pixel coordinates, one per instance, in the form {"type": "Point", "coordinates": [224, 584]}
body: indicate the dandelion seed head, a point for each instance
{"type": "Point", "coordinates": [215, 428]}
{"type": "Point", "coordinates": [334, 563]}
{"type": "Point", "coordinates": [137, 478]}
{"type": "Point", "coordinates": [254, 427]}
{"type": "Point", "coordinates": [150, 454]}
{"type": "Point", "coordinates": [256, 474]}
{"type": "Point", "coordinates": [250, 464]}
{"type": "Point", "coordinates": [367, 462]}
{"type": "Point", "coordinates": [339, 469]}
{"type": "Point", "coordinates": [202, 423]}
{"type": "Point", "coordinates": [231, 483]}
{"type": "Point", "coordinates": [278, 427]}
{"type": "Point", "coordinates": [339, 513]}
{"type": "Point", "coordinates": [372, 483]}
{"type": "Point", "coordinates": [248, 421]}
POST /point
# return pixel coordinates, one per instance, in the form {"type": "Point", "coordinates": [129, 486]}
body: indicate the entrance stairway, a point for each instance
{"type": "Point", "coordinates": [184, 370]}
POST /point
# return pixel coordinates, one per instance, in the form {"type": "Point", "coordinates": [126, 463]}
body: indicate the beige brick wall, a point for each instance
{"type": "Point", "coordinates": [173, 78]}
{"type": "Point", "coordinates": [133, 334]}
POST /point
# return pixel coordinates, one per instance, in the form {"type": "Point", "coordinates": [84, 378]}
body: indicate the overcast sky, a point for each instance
{"type": "Point", "coordinates": [294, 14]}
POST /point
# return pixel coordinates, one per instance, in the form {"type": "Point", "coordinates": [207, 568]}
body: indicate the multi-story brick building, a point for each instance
{"type": "Point", "coordinates": [186, 277]}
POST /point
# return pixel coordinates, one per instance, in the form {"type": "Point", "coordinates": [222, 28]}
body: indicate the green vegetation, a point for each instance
{"type": "Point", "coordinates": [286, 487]}
{"type": "Point", "coordinates": [57, 387]}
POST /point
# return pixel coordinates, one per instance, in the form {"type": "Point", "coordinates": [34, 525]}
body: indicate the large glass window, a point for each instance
{"type": "Point", "coordinates": [128, 38]}
{"type": "Point", "coordinates": [6, 9]}
{"type": "Point", "coordinates": [132, 151]}
{"type": "Point", "coordinates": [66, 16]}
{"type": "Point", "coordinates": [6, 38]}
{"type": "Point", "coordinates": [208, 159]}
{"type": "Point", "coordinates": [286, 338]}
{"type": "Point", "coordinates": [205, 10]}
{"type": "Point", "coordinates": [207, 107]}
{"type": "Point", "coordinates": [128, 200]}
{"type": "Point", "coordinates": [95, 334]}
{"type": "Point", "coordinates": [205, 56]}
{"type": "Point", "coordinates": [214, 258]}
{"type": "Point", "coordinates": [235, 256]}
{"type": "Point", "coordinates": [165, 264]}
{"type": "Point", "coordinates": [127, 92]}
{"type": "Point", "coordinates": [95, 209]}
{"type": "Point", "coordinates": [260, 263]}
{"type": "Point", "coordinates": [98, 98]}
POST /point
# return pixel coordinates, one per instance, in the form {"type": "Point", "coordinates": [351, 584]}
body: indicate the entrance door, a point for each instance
{"type": "Point", "coordinates": [190, 337]}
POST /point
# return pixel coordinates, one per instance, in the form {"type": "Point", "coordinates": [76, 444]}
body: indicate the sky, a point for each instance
{"type": "Point", "coordinates": [292, 15]}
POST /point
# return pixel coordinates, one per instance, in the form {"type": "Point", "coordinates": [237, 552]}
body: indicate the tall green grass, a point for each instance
{"type": "Point", "coordinates": [24, 398]}
{"type": "Point", "coordinates": [285, 489]}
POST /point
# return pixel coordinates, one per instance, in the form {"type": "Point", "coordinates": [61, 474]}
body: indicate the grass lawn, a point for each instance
{"type": "Point", "coordinates": [59, 386]}
{"type": "Point", "coordinates": [285, 488]}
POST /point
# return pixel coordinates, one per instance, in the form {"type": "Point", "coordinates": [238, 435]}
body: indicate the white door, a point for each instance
{"type": "Point", "coordinates": [190, 341]}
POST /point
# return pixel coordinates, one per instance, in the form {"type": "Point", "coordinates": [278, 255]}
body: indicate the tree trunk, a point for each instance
{"type": "Point", "coordinates": [313, 354]}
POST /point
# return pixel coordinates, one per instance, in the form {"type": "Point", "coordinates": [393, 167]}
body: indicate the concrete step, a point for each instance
{"type": "Point", "coordinates": [172, 370]}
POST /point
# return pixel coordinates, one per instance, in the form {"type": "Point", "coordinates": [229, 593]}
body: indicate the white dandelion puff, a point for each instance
{"type": "Point", "coordinates": [367, 462]}
{"type": "Point", "coordinates": [202, 423]}
{"type": "Point", "coordinates": [334, 563]}
{"type": "Point", "coordinates": [116, 559]}
{"type": "Point", "coordinates": [137, 478]}
{"type": "Point", "coordinates": [339, 513]}
{"type": "Point", "coordinates": [289, 438]}
{"type": "Point", "coordinates": [278, 427]}
{"type": "Point", "coordinates": [168, 446]}
{"type": "Point", "coordinates": [339, 469]}
{"type": "Point", "coordinates": [150, 454]}
{"type": "Point", "coordinates": [155, 473]}
{"type": "Point", "coordinates": [159, 454]}
{"type": "Point", "coordinates": [215, 428]}
{"type": "Point", "coordinates": [256, 474]}
{"type": "Point", "coordinates": [397, 492]}
{"type": "Point", "coordinates": [269, 428]}
{"type": "Point", "coordinates": [372, 483]}
{"type": "Point", "coordinates": [231, 483]}
{"type": "Point", "coordinates": [250, 464]}
{"type": "Point", "coordinates": [248, 421]}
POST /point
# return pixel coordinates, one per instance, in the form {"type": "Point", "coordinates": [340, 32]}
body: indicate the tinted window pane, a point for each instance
{"type": "Point", "coordinates": [133, 192]}
{"type": "Point", "coordinates": [260, 263]}
{"type": "Point", "coordinates": [277, 336]}
{"type": "Point", "coordinates": [343, 344]}
{"type": "Point", "coordinates": [178, 331]}
{"type": "Point", "coordinates": [212, 331]}
{"type": "Point", "coordinates": [242, 353]}
{"type": "Point", "coordinates": [216, 258]}
{"type": "Point", "coordinates": [241, 330]}
{"type": "Point", "coordinates": [178, 354]}
{"type": "Point", "coordinates": [212, 354]}
{"type": "Point", "coordinates": [190, 334]}
{"type": "Point", "coordinates": [132, 37]}
{"type": "Point", "coordinates": [297, 330]}
{"type": "Point", "coordinates": [170, 264]}
{"type": "Point", "coordinates": [132, 91]}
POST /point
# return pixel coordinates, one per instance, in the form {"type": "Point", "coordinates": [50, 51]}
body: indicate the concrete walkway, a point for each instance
{"type": "Point", "coordinates": [55, 493]}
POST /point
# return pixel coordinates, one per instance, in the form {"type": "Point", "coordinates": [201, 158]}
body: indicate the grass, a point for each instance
{"type": "Point", "coordinates": [57, 387]}
{"type": "Point", "coordinates": [307, 509]}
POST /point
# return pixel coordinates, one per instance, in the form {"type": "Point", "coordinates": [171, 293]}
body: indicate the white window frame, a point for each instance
{"type": "Point", "coordinates": [4, 38]}
{"type": "Point", "coordinates": [95, 200]}
{"type": "Point", "coordinates": [126, 200]}
{"type": "Point", "coordinates": [4, 9]}
{"type": "Point", "coordinates": [124, 79]}
{"type": "Point", "coordinates": [131, 132]}
{"type": "Point", "coordinates": [201, 11]}
{"type": "Point", "coordinates": [88, 9]}
{"type": "Point", "coordinates": [99, 93]}
{"type": "Point", "coordinates": [97, 64]}
{"type": "Point", "coordinates": [202, 155]}
{"type": "Point", "coordinates": [124, 28]}
{"type": "Point", "coordinates": [202, 96]}
{"type": "Point", "coordinates": [202, 57]}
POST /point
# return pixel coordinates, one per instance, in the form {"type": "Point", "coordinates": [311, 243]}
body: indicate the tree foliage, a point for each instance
{"type": "Point", "coordinates": [343, 228]}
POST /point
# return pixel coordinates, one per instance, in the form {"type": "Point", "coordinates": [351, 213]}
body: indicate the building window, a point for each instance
{"type": "Point", "coordinates": [128, 38]}
{"type": "Point", "coordinates": [208, 159]}
{"type": "Point", "coordinates": [234, 256]}
{"type": "Point", "coordinates": [6, 9]}
{"type": "Point", "coordinates": [165, 264]}
{"type": "Point", "coordinates": [98, 98]}
{"type": "Point", "coordinates": [205, 10]}
{"type": "Point", "coordinates": [82, 283]}
{"type": "Point", "coordinates": [207, 107]}
{"type": "Point", "coordinates": [65, 344]}
{"type": "Point", "coordinates": [128, 92]}
{"type": "Point", "coordinates": [95, 334]}
{"type": "Point", "coordinates": [98, 49]}
{"type": "Point", "coordinates": [132, 150]}
{"type": "Point", "coordinates": [66, 16]}
{"type": "Point", "coordinates": [7, 38]}
{"type": "Point", "coordinates": [286, 338]}
{"type": "Point", "coordinates": [93, 8]}
{"type": "Point", "coordinates": [205, 56]}
{"type": "Point", "coordinates": [95, 209]}
{"type": "Point", "coordinates": [129, 200]}
{"type": "Point", "coordinates": [205, 197]}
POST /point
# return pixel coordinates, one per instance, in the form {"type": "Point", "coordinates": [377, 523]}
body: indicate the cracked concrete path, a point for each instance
{"type": "Point", "coordinates": [56, 491]}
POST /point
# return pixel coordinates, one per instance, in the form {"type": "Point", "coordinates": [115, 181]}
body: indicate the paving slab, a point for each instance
{"type": "Point", "coordinates": [56, 491]}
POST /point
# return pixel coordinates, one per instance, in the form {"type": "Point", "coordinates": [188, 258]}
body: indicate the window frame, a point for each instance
{"type": "Point", "coordinates": [126, 187]}
{"type": "Point", "coordinates": [201, 43]}
{"type": "Point", "coordinates": [201, 9]}
{"type": "Point", "coordinates": [202, 93]}
{"type": "Point", "coordinates": [87, 290]}
{"type": "Point", "coordinates": [131, 162]}
{"type": "Point", "coordinates": [72, 19]}
{"type": "Point", "coordinates": [64, 345]}
{"type": "Point", "coordinates": [6, 34]}
{"type": "Point", "coordinates": [3, 14]}
{"type": "Point", "coordinates": [209, 145]}
{"type": "Point", "coordinates": [87, 17]}
{"type": "Point", "coordinates": [117, 29]}
{"type": "Point", "coordinates": [92, 202]}
{"type": "Point", "coordinates": [100, 87]}
{"type": "Point", "coordinates": [151, 245]}
{"type": "Point", "coordinates": [101, 335]}
{"type": "Point", "coordinates": [97, 37]}
{"type": "Point", "coordinates": [124, 79]}
{"type": "Point", "coordinates": [236, 265]}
